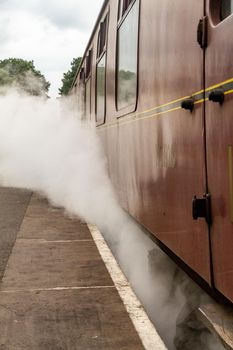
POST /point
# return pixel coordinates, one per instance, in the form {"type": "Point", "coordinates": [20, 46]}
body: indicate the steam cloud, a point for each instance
{"type": "Point", "coordinates": [46, 147]}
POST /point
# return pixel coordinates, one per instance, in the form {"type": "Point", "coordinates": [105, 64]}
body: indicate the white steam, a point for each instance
{"type": "Point", "coordinates": [44, 146]}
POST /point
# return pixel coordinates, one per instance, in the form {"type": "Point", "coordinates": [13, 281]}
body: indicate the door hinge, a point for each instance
{"type": "Point", "coordinates": [202, 32]}
{"type": "Point", "coordinates": [202, 208]}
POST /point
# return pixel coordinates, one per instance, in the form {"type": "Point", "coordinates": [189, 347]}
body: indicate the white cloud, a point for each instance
{"type": "Point", "coordinates": [70, 13]}
{"type": "Point", "coordinates": [50, 33]}
{"type": "Point", "coordinates": [4, 35]}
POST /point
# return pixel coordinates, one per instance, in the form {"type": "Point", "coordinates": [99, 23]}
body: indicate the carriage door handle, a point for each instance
{"type": "Point", "coordinates": [217, 95]}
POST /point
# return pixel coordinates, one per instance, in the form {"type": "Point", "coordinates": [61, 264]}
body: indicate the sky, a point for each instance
{"type": "Point", "coordinates": [49, 32]}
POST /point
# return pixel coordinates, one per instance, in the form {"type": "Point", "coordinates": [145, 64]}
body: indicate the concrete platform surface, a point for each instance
{"type": "Point", "coordinates": [56, 292]}
{"type": "Point", "coordinates": [13, 204]}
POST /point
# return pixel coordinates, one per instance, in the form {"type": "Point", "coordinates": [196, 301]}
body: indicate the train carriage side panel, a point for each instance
{"type": "Point", "coordinates": [156, 152]}
{"type": "Point", "coordinates": [155, 149]}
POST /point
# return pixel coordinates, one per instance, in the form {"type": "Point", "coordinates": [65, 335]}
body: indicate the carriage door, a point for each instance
{"type": "Point", "coordinates": [171, 172]}
{"type": "Point", "coordinates": [219, 139]}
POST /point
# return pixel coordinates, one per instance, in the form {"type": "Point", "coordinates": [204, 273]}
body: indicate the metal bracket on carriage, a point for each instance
{"type": "Point", "coordinates": [188, 104]}
{"type": "Point", "coordinates": [217, 95]}
{"type": "Point", "coordinates": [201, 208]}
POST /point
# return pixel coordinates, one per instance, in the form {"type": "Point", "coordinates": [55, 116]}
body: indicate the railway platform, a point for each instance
{"type": "Point", "coordinates": [56, 291]}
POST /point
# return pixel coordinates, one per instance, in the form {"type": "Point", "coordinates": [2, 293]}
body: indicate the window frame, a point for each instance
{"type": "Point", "coordinates": [89, 80]}
{"type": "Point", "coordinates": [221, 12]}
{"type": "Point", "coordinates": [131, 108]}
{"type": "Point", "coordinates": [121, 10]}
{"type": "Point", "coordinates": [80, 90]}
{"type": "Point", "coordinates": [82, 75]}
{"type": "Point", "coordinates": [101, 30]}
{"type": "Point", "coordinates": [88, 64]}
{"type": "Point", "coordinates": [99, 57]}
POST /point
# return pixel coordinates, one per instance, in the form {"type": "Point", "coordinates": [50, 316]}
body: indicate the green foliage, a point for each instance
{"type": "Point", "coordinates": [69, 76]}
{"type": "Point", "coordinates": [126, 75]}
{"type": "Point", "coordinates": [22, 74]}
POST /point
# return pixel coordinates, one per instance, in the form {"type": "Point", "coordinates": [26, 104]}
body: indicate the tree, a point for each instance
{"type": "Point", "coordinates": [69, 76]}
{"type": "Point", "coordinates": [22, 74]}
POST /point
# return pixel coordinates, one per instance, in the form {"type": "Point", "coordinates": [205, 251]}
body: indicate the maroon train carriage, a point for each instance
{"type": "Point", "coordinates": [157, 77]}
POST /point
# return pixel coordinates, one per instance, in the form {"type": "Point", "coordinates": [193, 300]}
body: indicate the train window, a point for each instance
{"type": "Point", "coordinates": [82, 75]}
{"type": "Point", "coordinates": [101, 72]}
{"type": "Point", "coordinates": [124, 5]}
{"type": "Point", "coordinates": [88, 63]}
{"type": "Point", "coordinates": [127, 51]}
{"type": "Point", "coordinates": [81, 92]}
{"type": "Point", "coordinates": [226, 8]}
{"type": "Point", "coordinates": [88, 98]}
{"type": "Point", "coordinates": [102, 37]}
{"type": "Point", "coordinates": [100, 89]}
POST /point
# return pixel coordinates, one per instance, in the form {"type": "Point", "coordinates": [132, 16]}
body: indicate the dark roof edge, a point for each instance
{"type": "Point", "coordinates": [91, 37]}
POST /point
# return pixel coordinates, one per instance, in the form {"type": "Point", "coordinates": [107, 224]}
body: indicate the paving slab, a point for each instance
{"type": "Point", "coordinates": [41, 264]}
{"type": "Point", "coordinates": [46, 222]}
{"type": "Point", "coordinates": [73, 320]}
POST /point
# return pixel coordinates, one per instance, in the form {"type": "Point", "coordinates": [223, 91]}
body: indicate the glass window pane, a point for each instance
{"type": "Point", "coordinates": [226, 8]}
{"type": "Point", "coordinates": [81, 99]}
{"type": "Point", "coordinates": [102, 37]}
{"type": "Point", "coordinates": [126, 4]}
{"type": "Point", "coordinates": [88, 63]}
{"type": "Point", "coordinates": [127, 59]}
{"type": "Point", "coordinates": [88, 99]}
{"type": "Point", "coordinates": [120, 10]}
{"type": "Point", "coordinates": [100, 87]}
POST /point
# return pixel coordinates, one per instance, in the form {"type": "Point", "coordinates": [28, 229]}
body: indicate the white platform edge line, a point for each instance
{"type": "Point", "coordinates": [146, 330]}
